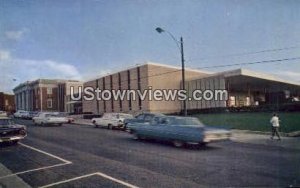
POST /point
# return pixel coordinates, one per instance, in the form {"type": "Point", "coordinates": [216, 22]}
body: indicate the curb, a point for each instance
{"type": "Point", "coordinates": [83, 124]}
{"type": "Point", "coordinates": [291, 134]}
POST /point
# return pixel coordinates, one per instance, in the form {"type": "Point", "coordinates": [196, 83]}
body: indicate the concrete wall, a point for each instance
{"type": "Point", "coordinates": [208, 83]}
{"type": "Point", "coordinates": [140, 78]}
{"type": "Point", "coordinates": [168, 78]}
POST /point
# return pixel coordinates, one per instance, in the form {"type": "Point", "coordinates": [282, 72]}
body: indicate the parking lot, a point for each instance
{"type": "Point", "coordinates": [83, 156]}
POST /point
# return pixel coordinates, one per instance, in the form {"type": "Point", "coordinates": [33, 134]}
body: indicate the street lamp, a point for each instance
{"type": "Point", "coordinates": [160, 30]}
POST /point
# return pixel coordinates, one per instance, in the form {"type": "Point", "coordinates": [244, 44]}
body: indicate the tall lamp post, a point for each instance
{"type": "Point", "coordinates": [180, 47]}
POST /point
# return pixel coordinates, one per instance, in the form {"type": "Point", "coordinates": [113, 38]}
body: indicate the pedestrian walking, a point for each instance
{"type": "Point", "coordinates": [275, 126]}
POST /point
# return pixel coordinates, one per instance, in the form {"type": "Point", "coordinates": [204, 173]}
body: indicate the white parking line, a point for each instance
{"type": "Point", "coordinates": [89, 175]}
{"type": "Point", "coordinates": [32, 170]}
{"type": "Point", "coordinates": [46, 153]}
{"type": "Point", "coordinates": [65, 162]}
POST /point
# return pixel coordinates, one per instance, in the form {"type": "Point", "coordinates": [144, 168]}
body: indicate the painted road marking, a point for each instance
{"type": "Point", "coordinates": [89, 175]}
{"type": "Point", "coordinates": [46, 153]}
{"type": "Point", "coordinates": [65, 162]}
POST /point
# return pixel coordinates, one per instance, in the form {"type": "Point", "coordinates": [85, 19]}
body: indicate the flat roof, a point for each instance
{"type": "Point", "coordinates": [250, 73]}
{"type": "Point", "coordinates": [144, 64]}
{"type": "Point", "coordinates": [43, 81]}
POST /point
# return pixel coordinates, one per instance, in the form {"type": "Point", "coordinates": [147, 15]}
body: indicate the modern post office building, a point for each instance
{"type": "Point", "coordinates": [244, 87]}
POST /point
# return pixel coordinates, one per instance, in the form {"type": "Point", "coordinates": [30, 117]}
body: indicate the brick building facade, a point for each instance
{"type": "Point", "coordinates": [7, 102]}
{"type": "Point", "coordinates": [43, 95]}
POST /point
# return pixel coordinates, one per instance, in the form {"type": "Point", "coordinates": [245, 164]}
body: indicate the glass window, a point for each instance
{"type": "Point", "coordinates": [232, 101]}
{"type": "Point", "coordinates": [164, 121]}
{"type": "Point", "coordinates": [5, 122]}
{"type": "Point", "coordinates": [148, 117]}
{"type": "Point", "coordinates": [185, 121]}
{"type": "Point", "coordinates": [49, 103]}
{"type": "Point", "coordinates": [140, 117]}
{"type": "Point", "coordinates": [49, 91]}
{"type": "Point", "coordinates": [155, 120]}
{"type": "Point", "coordinates": [51, 115]}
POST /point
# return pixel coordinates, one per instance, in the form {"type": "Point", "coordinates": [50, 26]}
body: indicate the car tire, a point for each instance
{"type": "Point", "coordinates": [110, 127]}
{"type": "Point", "coordinates": [42, 124]}
{"type": "Point", "coordinates": [15, 142]}
{"type": "Point", "coordinates": [136, 136]}
{"type": "Point", "coordinates": [178, 144]}
{"type": "Point", "coordinates": [60, 124]}
{"type": "Point", "coordinates": [202, 144]}
{"type": "Point", "coordinates": [96, 126]}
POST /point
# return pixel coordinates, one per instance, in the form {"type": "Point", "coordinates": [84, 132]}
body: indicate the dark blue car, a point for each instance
{"type": "Point", "coordinates": [179, 131]}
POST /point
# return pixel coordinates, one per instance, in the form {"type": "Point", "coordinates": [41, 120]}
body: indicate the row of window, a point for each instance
{"type": "Point", "coordinates": [119, 87]}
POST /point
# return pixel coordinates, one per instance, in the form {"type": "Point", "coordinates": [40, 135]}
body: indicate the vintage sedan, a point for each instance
{"type": "Point", "coordinates": [11, 132]}
{"type": "Point", "coordinates": [179, 131]}
{"type": "Point", "coordinates": [111, 120]}
{"type": "Point", "coordinates": [3, 114]}
{"type": "Point", "coordinates": [20, 113]}
{"type": "Point", "coordinates": [66, 115]}
{"type": "Point", "coordinates": [49, 118]}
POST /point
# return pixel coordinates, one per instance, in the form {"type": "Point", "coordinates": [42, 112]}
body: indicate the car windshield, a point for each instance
{"type": "Point", "coordinates": [125, 116]}
{"type": "Point", "coordinates": [61, 115]}
{"type": "Point", "coordinates": [5, 122]}
{"type": "Point", "coordinates": [51, 115]}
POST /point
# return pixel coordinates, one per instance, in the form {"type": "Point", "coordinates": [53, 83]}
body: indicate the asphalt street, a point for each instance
{"type": "Point", "coordinates": [83, 156]}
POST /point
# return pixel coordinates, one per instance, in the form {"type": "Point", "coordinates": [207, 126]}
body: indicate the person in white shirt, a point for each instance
{"type": "Point", "coordinates": [275, 126]}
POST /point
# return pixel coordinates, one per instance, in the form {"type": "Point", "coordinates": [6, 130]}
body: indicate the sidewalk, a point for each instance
{"type": "Point", "coordinates": [83, 122]}
{"type": "Point", "coordinates": [264, 139]}
{"type": "Point", "coordinates": [13, 181]}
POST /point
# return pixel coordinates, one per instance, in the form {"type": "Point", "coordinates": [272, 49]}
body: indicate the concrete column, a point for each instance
{"type": "Point", "coordinates": [21, 103]}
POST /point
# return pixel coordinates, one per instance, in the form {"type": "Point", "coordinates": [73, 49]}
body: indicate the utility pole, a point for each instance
{"type": "Point", "coordinates": [183, 75]}
{"type": "Point", "coordinates": [41, 94]}
{"type": "Point", "coordinates": [160, 30]}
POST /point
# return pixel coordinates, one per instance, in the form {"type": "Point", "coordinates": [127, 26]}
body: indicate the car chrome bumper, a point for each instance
{"type": "Point", "coordinates": [55, 122]}
{"type": "Point", "coordinates": [216, 138]}
{"type": "Point", "coordinates": [8, 139]}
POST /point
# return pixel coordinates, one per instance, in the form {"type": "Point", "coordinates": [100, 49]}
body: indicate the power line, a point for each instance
{"type": "Point", "coordinates": [251, 63]}
{"type": "Point", "coordinates": [179, 70]}
{"type": "Point", "coordinates": [246, 53]}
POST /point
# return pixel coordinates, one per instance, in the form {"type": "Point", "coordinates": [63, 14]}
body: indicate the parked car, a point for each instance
{"type": "Point", "coordinates": [11, 132]}
{"type": "Point", "coordinates": [19, 114]}
{"type": "Point", "coordinates": [179, 131]}
{"type": "Point", "coordinates": [49, 118]}
{"type": "Point", "coordinates": [141, 118]}
{"type": "Point", "coordinates": [66, 115]}
{"type": "Point", "coordinates": [111, 120]}
{"type": "Point", "coordinates": [32, 114]}
{"type": "Point", "coordinates": [25, 115]}
{"type": "Point", "coordinates": [3, 114]}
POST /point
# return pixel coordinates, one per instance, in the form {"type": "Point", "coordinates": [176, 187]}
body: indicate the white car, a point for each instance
{"type": "Point", "coordinates": [20, 114]}
{"type": "Point", "coordinates": [3, 114]}
{"type": "Point", "coordinates": [111, 120]}
{"type": "Point", "coordinates": [49, 118]}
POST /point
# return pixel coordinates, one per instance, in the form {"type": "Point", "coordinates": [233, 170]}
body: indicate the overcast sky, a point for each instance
{"type": "Point", "coordinates": [81, 39]}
